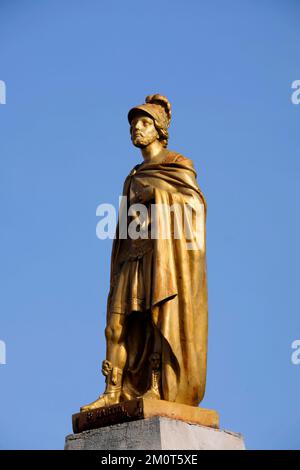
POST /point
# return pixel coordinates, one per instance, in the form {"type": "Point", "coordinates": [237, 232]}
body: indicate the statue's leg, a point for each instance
{"type": "Point", "coordinates": [154, 391]}
{"type": "Point", "coordinates": [115, 340]}
{"type": "Point", "coordinates": [115, 361]}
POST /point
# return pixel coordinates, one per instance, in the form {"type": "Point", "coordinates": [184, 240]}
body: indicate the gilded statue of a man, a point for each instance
{"type": "Point", "coordinates": [156, 331]}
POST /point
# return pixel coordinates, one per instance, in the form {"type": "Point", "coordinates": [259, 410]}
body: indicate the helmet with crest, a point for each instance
{"type": "Point", "coordinates": [159, 108]}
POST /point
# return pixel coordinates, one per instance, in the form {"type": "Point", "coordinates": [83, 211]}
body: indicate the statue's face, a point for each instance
{"type": "Point", "coordinates": [143, 131]}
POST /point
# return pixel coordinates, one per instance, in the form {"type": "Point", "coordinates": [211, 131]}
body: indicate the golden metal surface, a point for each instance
{"type": "Point", "coordinates": [156, 332]}
{"type": "Point", "coordinates": [143, 408]}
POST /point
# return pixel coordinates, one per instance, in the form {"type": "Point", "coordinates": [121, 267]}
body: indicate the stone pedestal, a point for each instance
{"type": "Point", "coordinates": [143, 408]}
{"type": "Point", "coordinates": [155, 433]}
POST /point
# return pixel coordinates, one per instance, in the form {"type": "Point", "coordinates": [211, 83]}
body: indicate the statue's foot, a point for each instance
{"type": "Point", "coordinates": [106, 399]}
{"type": "Point", "coordinates": [112, 394]}
{"type": "Point", "coordinates": [154, 391]}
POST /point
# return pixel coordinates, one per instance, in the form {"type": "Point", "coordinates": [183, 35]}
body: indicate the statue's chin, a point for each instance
{"type": "Point", "coordinates": [143, 142]}
{"type": "Point", "coordinates": [139, 144]}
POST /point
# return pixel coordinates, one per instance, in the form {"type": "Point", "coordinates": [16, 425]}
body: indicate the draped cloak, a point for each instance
{"type": "Point", "coordinates": [178, 307]}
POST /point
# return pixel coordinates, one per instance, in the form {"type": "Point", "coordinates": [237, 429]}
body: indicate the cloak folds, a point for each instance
{"type": "Point", "coordinates": [178, 289]}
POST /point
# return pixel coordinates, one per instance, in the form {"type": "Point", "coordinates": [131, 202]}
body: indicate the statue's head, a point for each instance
{"type": "Point", "coordinates": [150, 121]}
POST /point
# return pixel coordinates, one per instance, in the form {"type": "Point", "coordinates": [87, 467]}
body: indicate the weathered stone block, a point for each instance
{"type": "Point", "coordinates": [156, 433]}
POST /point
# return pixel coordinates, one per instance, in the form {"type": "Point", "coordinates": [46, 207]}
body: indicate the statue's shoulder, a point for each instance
{"type": "Point", "coordinates": [175, 157]}
{"type": "Point", "coordinates": [134, 169]}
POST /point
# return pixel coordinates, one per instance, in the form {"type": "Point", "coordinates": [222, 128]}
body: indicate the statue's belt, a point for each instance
{"type": "Point", "coordinates": [135, 249]}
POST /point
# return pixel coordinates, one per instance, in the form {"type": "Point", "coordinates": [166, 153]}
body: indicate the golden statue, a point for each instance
{"type": "Point", "coordinates": [156, 331]}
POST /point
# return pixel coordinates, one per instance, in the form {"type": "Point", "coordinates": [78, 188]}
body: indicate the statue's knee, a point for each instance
{"type": "Point", "coordinates": [108, 333]}
{"type": "Point", "coordinates": [114, 333]}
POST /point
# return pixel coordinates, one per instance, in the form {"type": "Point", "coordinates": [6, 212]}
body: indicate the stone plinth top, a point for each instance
{"type": "Point", "coordinates": [143, 408]}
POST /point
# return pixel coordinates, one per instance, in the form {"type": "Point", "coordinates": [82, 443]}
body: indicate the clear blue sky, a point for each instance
{"type": "Point", "coordinates": [72, 70]}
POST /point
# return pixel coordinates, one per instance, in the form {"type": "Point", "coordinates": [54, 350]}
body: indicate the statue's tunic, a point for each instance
{"type": "Point", "coordinates": [160, 284]}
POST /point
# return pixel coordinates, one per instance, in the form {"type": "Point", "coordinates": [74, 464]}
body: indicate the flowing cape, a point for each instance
{"type": "Point", "coordinates": [179, 307]}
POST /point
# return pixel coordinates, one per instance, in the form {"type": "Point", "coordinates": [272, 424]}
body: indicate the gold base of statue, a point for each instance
{"type": "Point", "coordinates": [142, 408]}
